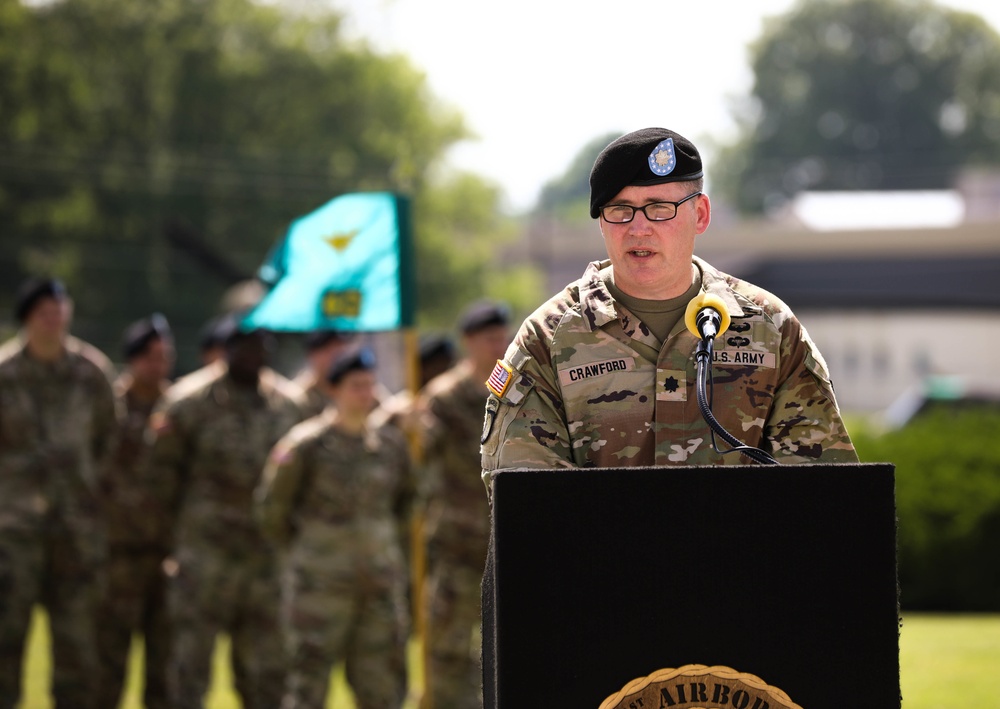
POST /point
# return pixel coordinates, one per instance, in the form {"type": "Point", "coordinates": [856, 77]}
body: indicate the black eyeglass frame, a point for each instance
{"type": "Point", "coordinates": [645, 207]}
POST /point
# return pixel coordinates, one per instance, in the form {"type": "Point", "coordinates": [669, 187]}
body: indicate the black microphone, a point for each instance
{"type": "Point", "coordinates": [706, 316]}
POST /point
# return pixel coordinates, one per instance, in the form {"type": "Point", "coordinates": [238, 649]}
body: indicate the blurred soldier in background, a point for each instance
{"type": "Point", "coordinates": [322, 348]}
{"type": "Point", "coordinates": [135, 599]}
{"type": "Point", "coordinates": [57, 429]}
{"type": "Point", "coordinates": [211, 340]}
{"type": "Point", "coordinates": [338, 491]}
{"type": "Point", "coordinates": [437, 355]}
{"type": "Point", "coordinates": [458, 515]}
{"type": "Point", "coordinates": [211, 437]}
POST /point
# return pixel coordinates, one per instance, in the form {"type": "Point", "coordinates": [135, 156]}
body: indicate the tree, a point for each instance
{"type": "Point", "coordinates": [568, 196]}
{"type": "Point", "coordinates": [864, 94]}
{"type": "Point", "coordinates": [948, 504]}
{"type": "Point", "coordinates": [151, 153]}
{"type": "Point", "coordinates": [463, 232]}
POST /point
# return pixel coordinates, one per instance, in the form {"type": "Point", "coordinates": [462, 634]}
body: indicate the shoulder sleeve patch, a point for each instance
{"type": "Point", "coordinates": [160, 423]}
{"type": "Point", "coordinates": [500, 379]}
{"type": "Point", "coordinates": [282, 454]}
{"type": "Point", "coordinates": [814, 360]}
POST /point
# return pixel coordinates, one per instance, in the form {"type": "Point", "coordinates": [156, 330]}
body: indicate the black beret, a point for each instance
{"type": "Point", "coordinates": [141, 333]}
{"type": "Point", "coordinates": [481, 315]}
{"type": "Point", "coordinates": [320, 338]}
{"type": "Point", "coordinates": [650, 156]}
{"type": "Point", "coordinates": [434, 346]}
{"type": "Point", "coordinates": [358, 360]}
{"type": "Point", "coordinates": [213, 333]}
{"type": "Point", "coordinates": [33, 290]}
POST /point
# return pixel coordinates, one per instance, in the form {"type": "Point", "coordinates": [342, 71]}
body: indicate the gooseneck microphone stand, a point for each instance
{"type": "Point", "coordinates": [703, 358]}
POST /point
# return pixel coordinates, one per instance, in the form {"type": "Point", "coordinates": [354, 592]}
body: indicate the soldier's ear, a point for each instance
{"type": "Point", "coordinates": [703, 213]}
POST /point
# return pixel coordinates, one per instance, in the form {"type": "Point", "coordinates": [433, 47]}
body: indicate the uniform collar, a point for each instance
{"type": "Point", "coordinates": [717, 283]}
{"type": "Point", "coordinates": [71, 349]}
{"type": "Point", "coordinates": [599, 306]}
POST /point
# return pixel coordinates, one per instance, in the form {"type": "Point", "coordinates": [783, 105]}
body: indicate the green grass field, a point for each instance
{"type": "Point", "coordinates": [38, 668]}
{"type": "Point", "coordinates": [946, 662]}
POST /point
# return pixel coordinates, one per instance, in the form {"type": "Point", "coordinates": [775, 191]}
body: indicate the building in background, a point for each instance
{"type": "Point", "coordinates": [894, 308]}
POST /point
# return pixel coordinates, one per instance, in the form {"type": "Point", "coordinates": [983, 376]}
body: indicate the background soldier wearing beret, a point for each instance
{"type": "Point", "coordinates": [603, 374]}
{"type": "Point", "coordinates": [322, 348]}
{"type": "Point", "coordinates": [211, 436]}
{"type": "Point", "coordinates": [137, 544]}
{"type": "Point", "coordinates": [57, 428]}
{"type": "Point", "coordinates": [436, 355]}
{"type": "Point", "coordinates": [458, 515]}
{"type": "Point", "coordinates": [337, 492]}
{"type": "Point", "coordinates": [211, 340]}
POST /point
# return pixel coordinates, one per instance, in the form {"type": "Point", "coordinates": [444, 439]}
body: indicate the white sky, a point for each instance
{"type": "Point", "coordinates": [531, 76]}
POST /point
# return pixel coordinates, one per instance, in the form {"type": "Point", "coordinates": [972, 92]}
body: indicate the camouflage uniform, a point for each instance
{"type": "Point", "coordinates": [592, 387]}
{"type": "Point", "coordinates": [57, 427]}
{"type": "Point", "coordinates": [138, 544]}
{"type": "Point", "coordinates": [341, 503]}
{"type": "Point", "coordinates": [316, 400]}
{"type": "Point", "coordinates": [211, 439]}
{"type": "Point", "coordinates": [458, 524]}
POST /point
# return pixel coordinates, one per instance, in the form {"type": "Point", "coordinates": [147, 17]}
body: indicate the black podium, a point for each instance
{"type": "Point", "coordinates": [598, 578]}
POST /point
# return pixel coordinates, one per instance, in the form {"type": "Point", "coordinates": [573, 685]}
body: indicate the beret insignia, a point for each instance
{"type": "Point", "coordinates": [663, 160]}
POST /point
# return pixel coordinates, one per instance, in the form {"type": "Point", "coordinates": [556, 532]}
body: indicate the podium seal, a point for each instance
{"type": "Point", "coordinates": [699, 687]}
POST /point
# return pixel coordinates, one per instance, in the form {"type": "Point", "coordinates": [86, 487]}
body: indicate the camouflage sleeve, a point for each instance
{"type": "Point", "coordinates": [434, 443]}
{"type": "Point", "coordinates": [406, 492]}
{"type": "Point", "coordinates": [279, 489]}
{"type": "Point", "coordinates": [525, 425]}
{"type": "Point", "coordinates": [805, 425]}
{"type": "Point", "coordinates": [105, 434]}
{"type": "Point", "coordinates": [164, 464]}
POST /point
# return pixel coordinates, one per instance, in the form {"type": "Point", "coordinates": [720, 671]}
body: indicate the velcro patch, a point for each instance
{"type": "Point", "coordinates": [500, 379]}
{"type": "Point", "coordinates": [582, 372]}
{"type": "Point", "coordinates": [744, 358]}
{"type": "Point", "coordinates": [160, 424]}
{"type": "Point", "coordinates": [281, 455]}
{"type": "Point", "coordinates": [671, 385]}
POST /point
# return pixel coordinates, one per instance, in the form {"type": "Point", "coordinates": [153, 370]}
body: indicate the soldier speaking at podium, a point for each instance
{"type": "Point", "coordinates": [603, 374]}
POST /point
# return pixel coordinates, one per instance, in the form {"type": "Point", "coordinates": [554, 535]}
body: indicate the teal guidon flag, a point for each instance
{"type": "Point", "coordinates": [347, 266]}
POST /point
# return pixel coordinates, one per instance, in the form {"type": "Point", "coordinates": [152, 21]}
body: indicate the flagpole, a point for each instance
{"type": "Point", "coordinates": [418, 548]}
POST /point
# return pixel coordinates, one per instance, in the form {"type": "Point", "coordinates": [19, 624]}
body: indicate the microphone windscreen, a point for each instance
{"type": "Point", "coordinates": [706, 300]}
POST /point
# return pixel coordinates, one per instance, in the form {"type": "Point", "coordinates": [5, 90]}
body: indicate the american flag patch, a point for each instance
{"type": "Point", "coordinates": [500, 379]}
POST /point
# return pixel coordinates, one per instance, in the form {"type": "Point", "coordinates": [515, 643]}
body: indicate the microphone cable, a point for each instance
{"type": "Point", "coordinates": [707, 318]}
{"type": "Point", "coordinates": [703, 358]}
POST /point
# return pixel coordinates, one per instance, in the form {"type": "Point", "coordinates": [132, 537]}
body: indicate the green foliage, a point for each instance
{"type": "Point", "coordinates": [460, 252]}
{"type": "Point", "coordinates": [152, 152]}
{"type": "Point", "coordinates": [568, 196]}
{"type": "Point", "coordinates": [948, 505]}
{"type": "Point", "coordinates": [864, 94]}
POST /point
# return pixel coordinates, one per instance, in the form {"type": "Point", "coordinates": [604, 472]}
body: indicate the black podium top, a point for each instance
{"type": "Point", "coordinates": [600, 576]}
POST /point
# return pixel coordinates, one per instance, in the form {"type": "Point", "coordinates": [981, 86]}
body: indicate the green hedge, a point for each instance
{"type": "Point", "coordinates": [948, 504]}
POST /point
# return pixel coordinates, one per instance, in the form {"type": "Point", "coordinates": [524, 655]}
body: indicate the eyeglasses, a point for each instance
{"type": "Point", "coordinates": [655, 211]}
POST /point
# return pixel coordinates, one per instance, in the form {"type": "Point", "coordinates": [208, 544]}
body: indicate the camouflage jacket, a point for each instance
{"type": "Point", "coordinates": [57, 430]}
{"type": "Point", "coordinates": [458, 514]}
{"type": "Point", "coordinates": [316, 399]}
{"type": "Point", "coordinates": [129, 507]}
{"type": "Point", "coordinates": [592, 387]}
{"type": "Point", "coordinates": [209, 441]}
{"type": "Point", "coordinates": [340, 501]}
